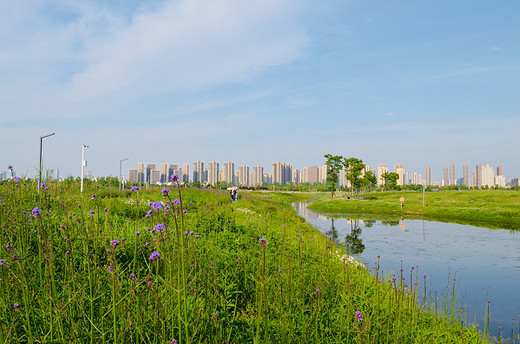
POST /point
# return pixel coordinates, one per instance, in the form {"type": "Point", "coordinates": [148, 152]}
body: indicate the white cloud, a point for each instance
{"type": "Point", "coordinates": [92, 59]}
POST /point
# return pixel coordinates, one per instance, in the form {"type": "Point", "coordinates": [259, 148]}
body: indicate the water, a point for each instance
{"type": "Point", "coordinates": [484, 262]}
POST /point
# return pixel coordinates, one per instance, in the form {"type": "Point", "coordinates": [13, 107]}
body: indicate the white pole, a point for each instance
{"type": "Point", "coordinates": [41, 165]}
{"type": "Point", "coordinates": [83, 164]}
{"type": "Point", "coordinates": [120, 174]}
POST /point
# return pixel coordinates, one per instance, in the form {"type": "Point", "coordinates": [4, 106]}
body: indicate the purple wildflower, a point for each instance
{"type": "Point", "coordinates": [239, 259]}
{"type": "Point", "coordinates": [212, 263]}
{"type": "Point", "coordinates": [148, 214]}
{"type": "Point", "coordinates": [132, 276]}
{"type": "Point", "coordinates": [425, 276]}
{"type": "Point", "coordinates": [2, 261]}
{"type": "Point", "coordinates": [93, 196]}
{"type": "Point", "coordinates": [317, 291]}
{"type": "Point", "coordinates": [394, 279]}
{"type": "Point", "coordinates": [197, 237]}
{"type": "Point", "coordinates": [156, 205]}
{"type": "Point", "coordinates": [173, 341]}
{"type": "Point", "coordinates": [137, 234]}
{"type": "Point", "coordinates": [174, 178]}
{"type": "Point", "coordinates": [91, 212]}
{"type": "Point", "coordinates": [159, 227]}
{"type": "Point", "coordinates": [165, 192]}
{"type": "Point", "coordinates": [176, 201]}
{"type": "Point", "coordinates": [10, 167]}
{"type": "Point", "coordinates": [263, 242]}
{"type": "Point", "coordinates": [17, 179]}
{"type": "Point", "coordinates": [67, 253]}
{"type": "Point", "coordinates": [147, 244]}
{"type": "Point", "coordinates": [135, 188]}
{"type": "Point", "coordinates": [359, 316]}
{"type": "Point", "coordinates": [36, 211]}
{"type": "Point", "coordinates": [43, 185]}
{"type": "Point", "coordinates": [110, 268]}
{"type": "Point", "coordinates": [8, 247]}
{"type": "Point", "coordinates": [114, 243]}
{"type": "Point", "coordinates": [192, 232]}
{"type": "Point", "coordinates": [16, 306]}
{"type": "Point", "coordinates": [155, 256]}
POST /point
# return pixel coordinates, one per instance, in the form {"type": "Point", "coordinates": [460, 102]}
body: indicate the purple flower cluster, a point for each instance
{"type": "Point", "coordinates": [135, 188]}
{"type": "Point", "coordinates": [174, 178]}
{"type": "Point", "coordinates": [155, 256]}
{"type": "Point", "coordinates": [36, 211]}
{"type": "Point", "coordinates": [159, 227]}
{"type": "Point", "coordinates": [156, 205]}
{"type": "Point", "coordinates": [359, 316]}
{"type": "Point", "coordinates": [165, 192]}
{"type": "Point", "coordinates": [114, 243]}
{"type": "Point", "coordinates": [263, 242]}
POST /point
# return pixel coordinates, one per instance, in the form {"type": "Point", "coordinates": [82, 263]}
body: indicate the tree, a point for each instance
{"type": "Point", "coordinates": [369, 180]}
{"type": "Point", "coordinates": [334, 165]}
{"type": "Point", "coordinates": [354, 168]}
{"type": "Point", "coordinates": [390, 179]}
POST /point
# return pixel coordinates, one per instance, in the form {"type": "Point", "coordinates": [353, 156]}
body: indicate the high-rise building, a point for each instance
{"type": "Point", "coordinates": [452, 174]}
{"type": "Point", "coordinates": [258, 175]}
{"type": "Point", "coordinates": [428, 175]}
{"type": "Point", "coordinates": [141, 172]}
{"type": "Point", "coordinates": [399, 169]}
{"type": "Point", "coordinates": [155, 176]}
{"type": "Point", "coordinates": [295, 177]}
{"type": "Point", "coordinates": [213, 173]}
{"type": "Point", "coordinates": [500, 170]}
{"type": "Point", "coordinates": [185, 173]}
{"type": "Point", "coordinates": [149, 168]}
{"type": "Point", "coordinates": [309, 175]}
{"type": "Point", "coordinates": [477, 180]}
{"type": "Point", "coordinates": [446, 180]}
{"type": "Point", "coordinates": [465, 175]}
{"type": "Point", "coordinates": [173, 169]}
{"type": "Point", "coordinates": [381, 170]}
{"type": "Point", "coordinates": [228, 172]}
{"type": "Point", "coordinates": [164, 173]}
{"type": "Point", "coordinates": [500, 181]}
{"type": "Point", "coordinates": [198, 170]}
{"type": "Point", "coordinates": [133, 175]}
{"type": "Point", "coordinates": [488, 176]}
{"type": "Point", "coordinates": [322, 174]}
{"type": "Point", "coordinates": [282, 172]}
{"type": "Point", "coordinates": [243, 175]}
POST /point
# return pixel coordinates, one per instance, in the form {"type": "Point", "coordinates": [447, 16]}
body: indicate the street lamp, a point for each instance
{"type": "Point", "coordinates": [120, 176]}
{"type": "Point", "coordinates": [83, 164]}
{"type": "Point", "coordinates": [40, 168]}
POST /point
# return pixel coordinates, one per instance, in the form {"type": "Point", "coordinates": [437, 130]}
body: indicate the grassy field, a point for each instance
{"type": "Point", "coordinates": [484, 208]}
{"type": "Point", "coordinates": [190, 266]}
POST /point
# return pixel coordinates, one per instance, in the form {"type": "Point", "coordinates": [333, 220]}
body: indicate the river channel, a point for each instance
{"type": "Point", "coordinates": [484, 264]}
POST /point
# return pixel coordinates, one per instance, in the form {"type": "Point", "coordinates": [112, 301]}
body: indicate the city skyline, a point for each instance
{"type": "Point", "coordinates": [283, 172]}
{"type": "Point", "coordinates": [414, 83]}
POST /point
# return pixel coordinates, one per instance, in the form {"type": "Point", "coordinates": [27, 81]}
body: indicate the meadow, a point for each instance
{"type": "Point", "coordinates": [483, 208]}
{"type": "Point", "coordinates": [175, 265]}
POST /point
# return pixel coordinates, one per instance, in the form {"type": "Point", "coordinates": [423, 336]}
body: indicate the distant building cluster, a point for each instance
{"type": "Point", "coordinates": [283, 173]}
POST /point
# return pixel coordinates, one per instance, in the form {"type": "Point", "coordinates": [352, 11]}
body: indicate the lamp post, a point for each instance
{"type": "Point", "coordinates": [83, 164]}
{"type": "Point", "coordinates": [40, 166]}
{"type": "Point", "coordinates": [120, 176]}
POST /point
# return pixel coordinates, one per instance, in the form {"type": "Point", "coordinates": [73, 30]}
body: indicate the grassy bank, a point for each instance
{"type": "Point", "coordinates": [189, 266]}
{"type": "Point", "coordinates": [485, 208]}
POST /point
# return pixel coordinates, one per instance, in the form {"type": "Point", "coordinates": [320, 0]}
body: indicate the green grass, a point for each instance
{"type": "Point", "coordinates": [63, 279]}
{"type": "Point", "coordinates": [484, 208]}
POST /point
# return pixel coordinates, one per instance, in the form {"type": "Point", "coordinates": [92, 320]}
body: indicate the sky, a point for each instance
{"type": "Point", "coordinates": [255, 82]}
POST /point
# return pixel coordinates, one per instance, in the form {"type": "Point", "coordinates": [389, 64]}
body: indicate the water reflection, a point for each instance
{"type": "Point", "coordinates": [485, 262]}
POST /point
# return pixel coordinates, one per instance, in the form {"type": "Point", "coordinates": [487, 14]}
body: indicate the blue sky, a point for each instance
{"type": "Point", "coordinates": [255, 82]}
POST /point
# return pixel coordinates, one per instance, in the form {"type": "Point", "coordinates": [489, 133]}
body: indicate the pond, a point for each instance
{"type": "Point", "coordinates": [484, 264]}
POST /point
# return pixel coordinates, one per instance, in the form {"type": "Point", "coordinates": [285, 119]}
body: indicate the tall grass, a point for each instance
{"type": "Point", "coordinates": [189, 266]}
